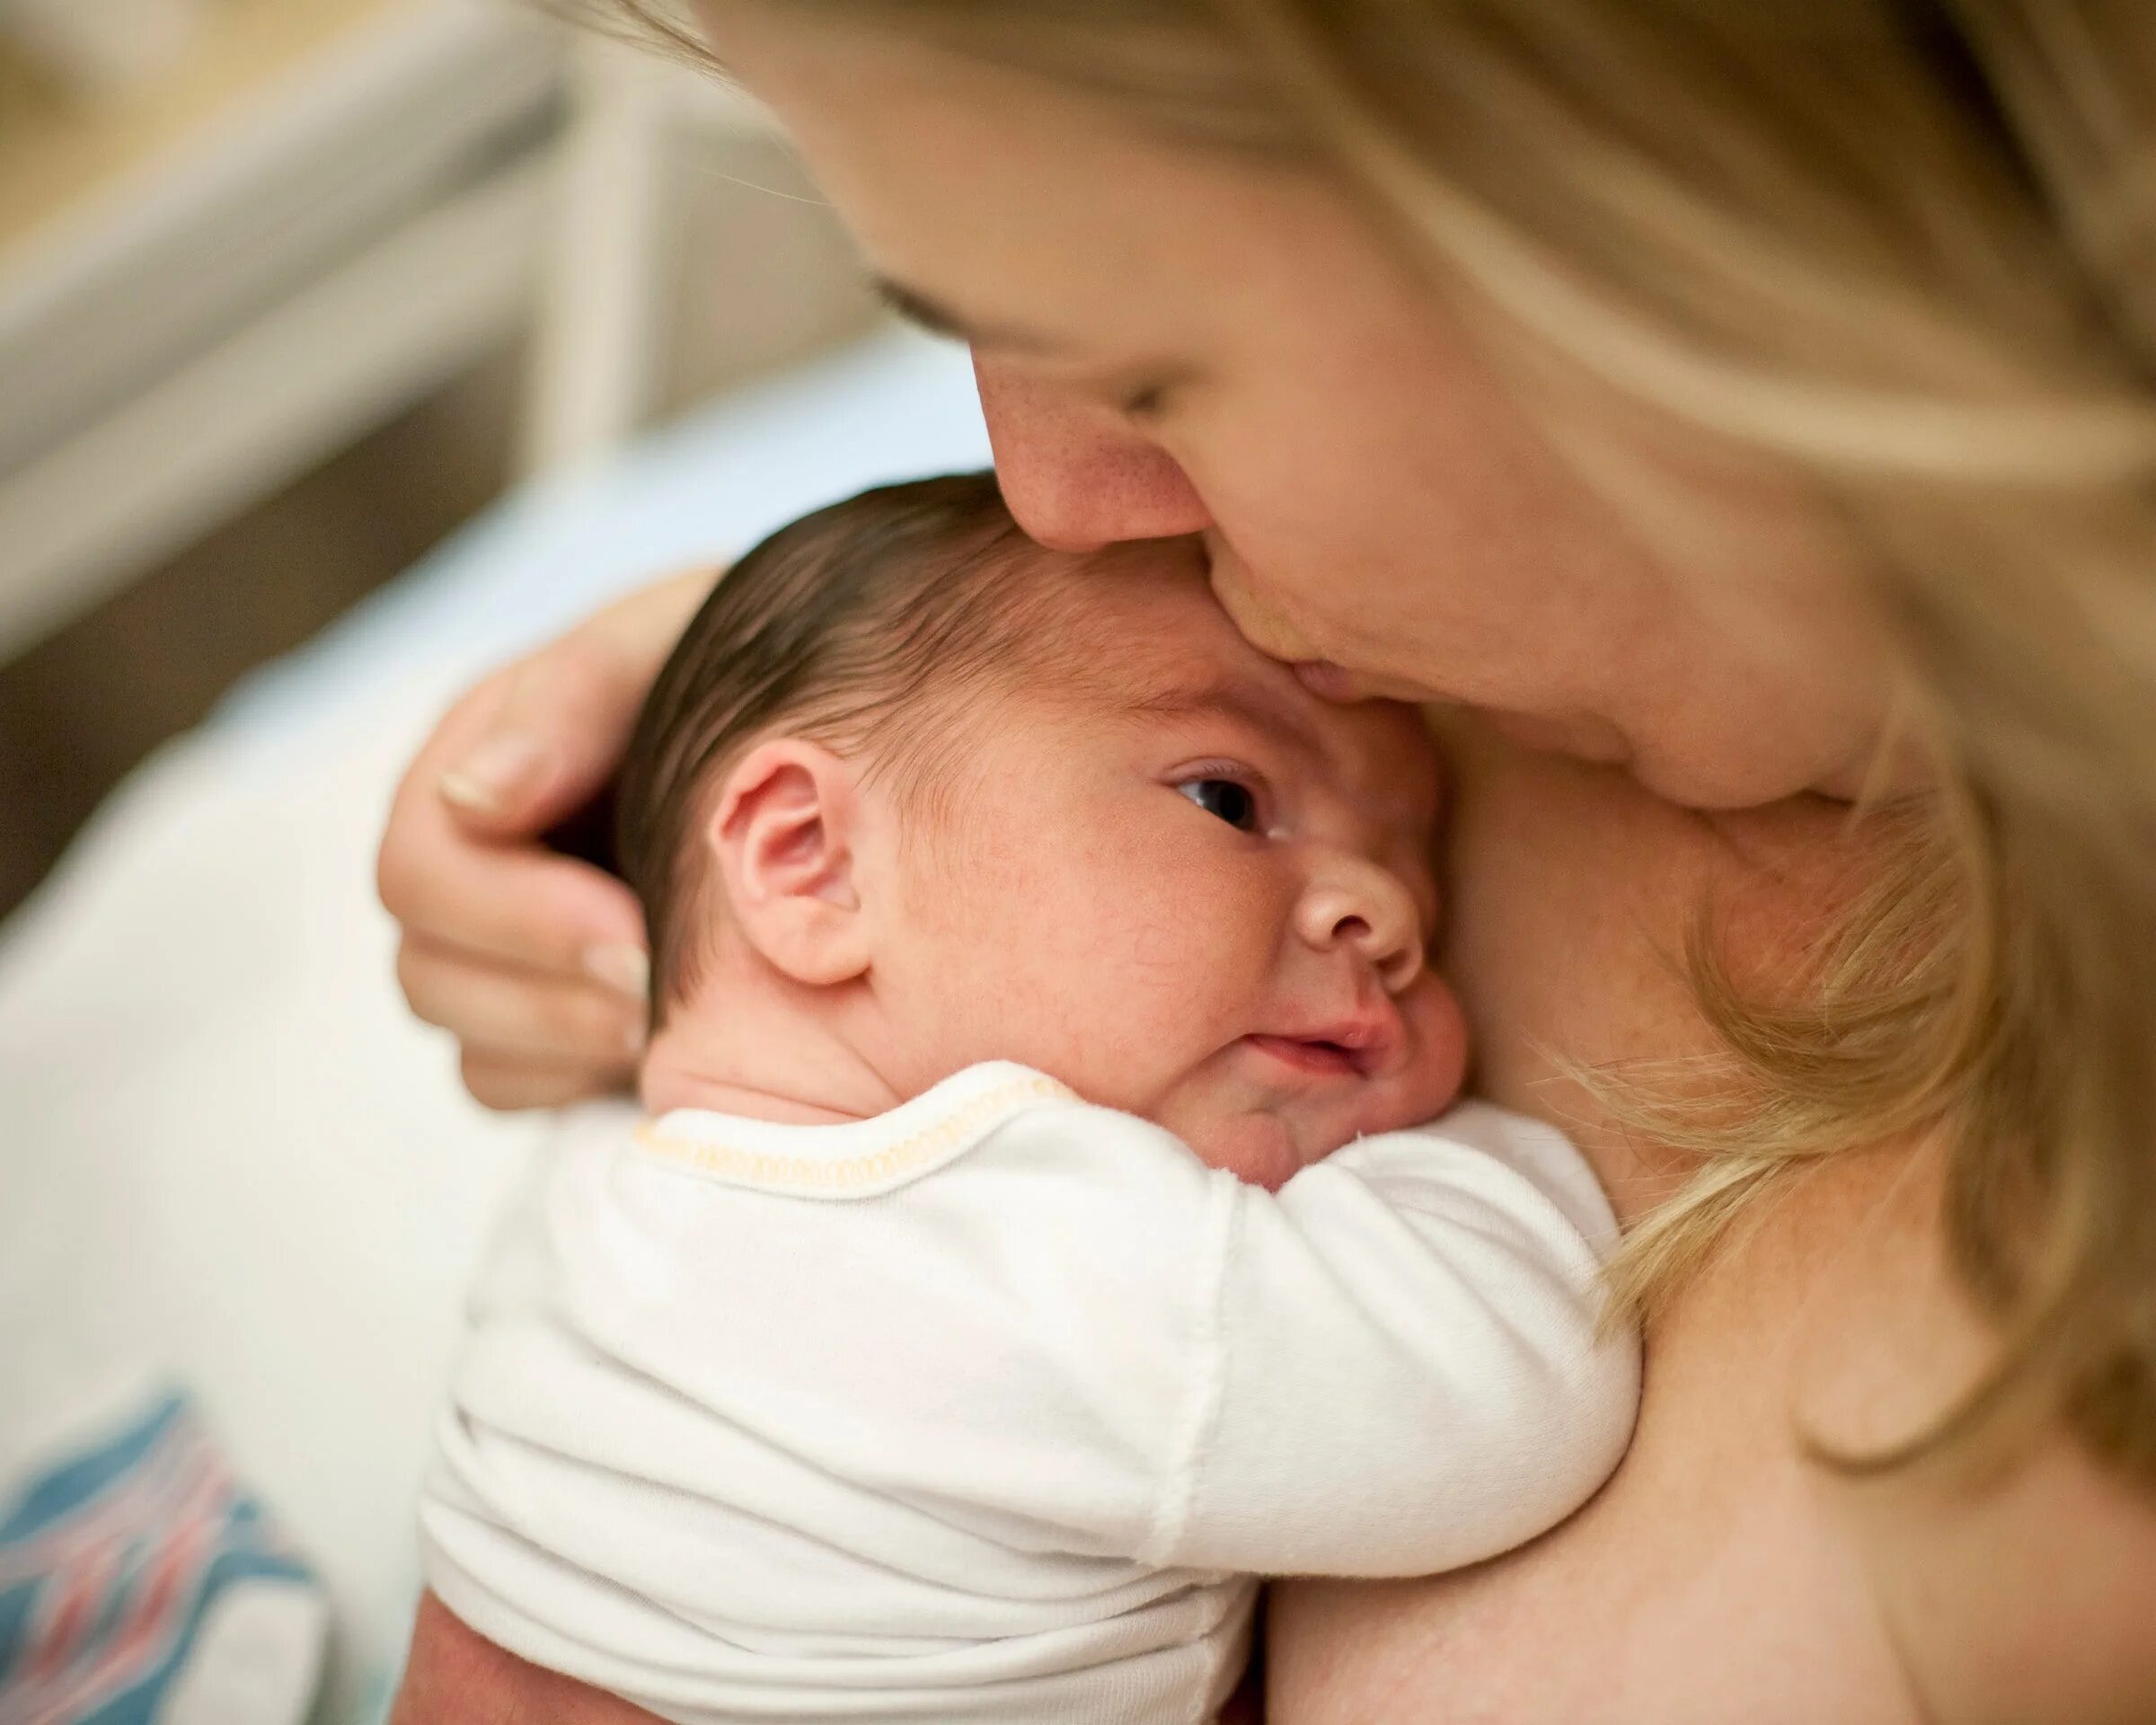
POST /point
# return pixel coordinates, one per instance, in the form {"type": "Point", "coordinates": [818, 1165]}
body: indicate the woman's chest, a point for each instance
{"type": "Point", "coordinates": [1720, 1576]}
{"type": "Point", "coordinates": [1707, 1609]}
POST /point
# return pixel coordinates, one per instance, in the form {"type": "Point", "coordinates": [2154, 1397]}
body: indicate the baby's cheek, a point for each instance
{"type": "Point", "coordinates": [1439, 1028]}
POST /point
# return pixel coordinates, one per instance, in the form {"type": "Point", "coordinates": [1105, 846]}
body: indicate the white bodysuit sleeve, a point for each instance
{"type": "Point", "coordinates": [1405, 1374]}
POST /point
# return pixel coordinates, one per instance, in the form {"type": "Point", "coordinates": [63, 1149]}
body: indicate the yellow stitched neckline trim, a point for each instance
{"type": "Point", "coordinates": [743, 1166]}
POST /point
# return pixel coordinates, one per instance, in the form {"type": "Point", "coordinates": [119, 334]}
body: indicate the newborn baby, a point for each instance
{"type": "Point", "coordinates": [1029, 1238]}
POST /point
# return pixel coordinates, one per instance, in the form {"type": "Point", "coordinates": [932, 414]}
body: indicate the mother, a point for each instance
{"type": "Point", "coordinates": [1739, 412]}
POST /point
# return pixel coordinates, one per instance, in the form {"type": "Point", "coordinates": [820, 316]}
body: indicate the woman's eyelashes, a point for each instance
{"type": "Point", "coordinates": [1147, 402]}
{"type": "Point", "coordinates": [1228, 799]}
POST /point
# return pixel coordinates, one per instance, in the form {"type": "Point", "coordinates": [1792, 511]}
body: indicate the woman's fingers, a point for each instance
{"type": "Point", "coordinates": [516, 1014]}
{"type": "Point", "coordinates": [504, 1082]}
{"type": "Point", "coordinates": [499, 895]}
{"type": "Point", "coordinates": [511, 903]}
{"type": "Point", "coordinates": [534, 961]}
{"type": "Point", "coordinates": [525, 1041]}
{"type": "Point", "coordinates": [541, 739]}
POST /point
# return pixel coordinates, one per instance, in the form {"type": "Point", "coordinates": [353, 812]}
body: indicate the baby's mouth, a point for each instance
{"type": "Point", "coordinates": [1319, 1056]}
{"type": "Point", "coordinates": [1366, 1040]}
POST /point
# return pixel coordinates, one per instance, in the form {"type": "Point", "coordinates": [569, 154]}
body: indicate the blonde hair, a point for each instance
{"type": "Point", "coordinates": [1906, 248]}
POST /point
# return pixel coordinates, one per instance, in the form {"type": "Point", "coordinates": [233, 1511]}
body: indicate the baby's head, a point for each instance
{"type": "Point", "coordinates": [914, 793]}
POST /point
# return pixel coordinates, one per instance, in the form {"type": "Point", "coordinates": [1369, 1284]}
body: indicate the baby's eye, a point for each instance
{"type": "Point", "coordinates": [1233, 803]}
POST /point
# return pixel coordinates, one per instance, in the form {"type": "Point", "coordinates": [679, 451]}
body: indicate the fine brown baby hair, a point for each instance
{"type": "Point", "coordinates": [855, 626]}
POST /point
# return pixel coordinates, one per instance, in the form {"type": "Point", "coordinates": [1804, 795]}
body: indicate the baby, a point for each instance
{"type": "Point", "coordinates": [1030, 1238]}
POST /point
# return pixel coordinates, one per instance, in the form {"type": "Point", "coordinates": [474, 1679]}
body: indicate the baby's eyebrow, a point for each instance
{"type": "Point", "coordinates": [1237, 700]}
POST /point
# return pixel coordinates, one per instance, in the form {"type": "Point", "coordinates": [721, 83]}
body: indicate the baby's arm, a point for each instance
{"type": "Point", "coordinates": [1405, 1375]}
{"type": "Point", "coordinates": [1068, 1336]}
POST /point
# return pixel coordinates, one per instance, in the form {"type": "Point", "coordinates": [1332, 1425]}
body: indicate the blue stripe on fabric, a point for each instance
{"type": "Point", "coordinates": [71, 1486]}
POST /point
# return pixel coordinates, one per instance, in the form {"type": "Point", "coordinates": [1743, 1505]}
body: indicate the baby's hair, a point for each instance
{"type": "Point", "coordinates": [852, 626]}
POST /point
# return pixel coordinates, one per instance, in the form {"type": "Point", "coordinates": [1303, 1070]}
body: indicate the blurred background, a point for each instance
{"type": "Point", "coordinates": [290, 288]}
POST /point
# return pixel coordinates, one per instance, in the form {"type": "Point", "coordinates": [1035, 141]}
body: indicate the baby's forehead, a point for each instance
{"type": "Point", "coordinates": [1153, 650]}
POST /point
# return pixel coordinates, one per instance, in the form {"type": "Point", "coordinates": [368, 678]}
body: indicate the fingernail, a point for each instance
{"type": "Point", "coordinates": [625, 968]}
{"type": "Point", "coordinates": [496, 772]}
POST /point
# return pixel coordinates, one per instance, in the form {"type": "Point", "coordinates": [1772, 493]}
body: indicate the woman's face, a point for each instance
{"type": "Point", "coordinates": [1173, 340]}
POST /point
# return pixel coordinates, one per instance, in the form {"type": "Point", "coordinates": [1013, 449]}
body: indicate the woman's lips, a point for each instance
{"type": "Point", "coordinates": [1326, 680]}
{"type": "Point", "coordinates": [1344, 687]}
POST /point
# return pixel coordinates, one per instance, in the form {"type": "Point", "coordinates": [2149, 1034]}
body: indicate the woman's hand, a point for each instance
{"type": "Point", "coordinates": [534, 961]}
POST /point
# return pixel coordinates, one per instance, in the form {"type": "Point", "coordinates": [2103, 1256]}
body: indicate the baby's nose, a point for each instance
{"type": "Point", "coordinates": [1368, 910]}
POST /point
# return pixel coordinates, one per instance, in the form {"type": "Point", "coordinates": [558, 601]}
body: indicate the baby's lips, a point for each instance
{"type": "Point", "coordinates": [1316, 1055]}
{"type": "Point", "coordinates": [1370, 1038]}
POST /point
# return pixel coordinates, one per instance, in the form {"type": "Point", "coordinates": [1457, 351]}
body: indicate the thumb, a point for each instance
{"type": "Point", "coordinates": [547, 739]}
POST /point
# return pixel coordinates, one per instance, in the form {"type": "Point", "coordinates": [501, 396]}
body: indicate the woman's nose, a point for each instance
{"type": "Point", "coordinates": [1075, 476]}
{"type": "Point", "coordinates": [1354, 903]}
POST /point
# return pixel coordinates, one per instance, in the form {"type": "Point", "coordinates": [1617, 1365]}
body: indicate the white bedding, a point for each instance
{"type": "Point", "coordinates": [226, 1152]}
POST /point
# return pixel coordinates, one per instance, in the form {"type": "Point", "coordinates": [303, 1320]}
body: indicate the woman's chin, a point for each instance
{"type": "Point", "coordinates": [1594, 740]}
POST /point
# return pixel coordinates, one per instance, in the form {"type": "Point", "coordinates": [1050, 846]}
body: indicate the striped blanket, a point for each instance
{"type": "Point", "coordinates": [140, 1582]}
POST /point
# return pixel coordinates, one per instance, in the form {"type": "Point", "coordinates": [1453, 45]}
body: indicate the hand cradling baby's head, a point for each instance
{"type": "Point", "coordinates": [935, 795]}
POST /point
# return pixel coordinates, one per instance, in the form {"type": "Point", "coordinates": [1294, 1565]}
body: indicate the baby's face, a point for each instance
{"type": "Point", "coordinates": [1188, 889]}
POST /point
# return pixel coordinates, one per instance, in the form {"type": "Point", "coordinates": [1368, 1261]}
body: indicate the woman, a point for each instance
{"type": "Point", "coordinates": [1739, 417]}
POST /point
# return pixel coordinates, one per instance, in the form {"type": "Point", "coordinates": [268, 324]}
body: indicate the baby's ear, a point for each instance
{"type": "Point", "coordinates": [784, 837]}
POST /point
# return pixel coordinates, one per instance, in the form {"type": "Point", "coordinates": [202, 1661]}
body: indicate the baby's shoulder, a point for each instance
{"type": "Point", "coordinates": [1477, 1143]}
{"type": "Point", "coordinates": [606, 1120]}
{"type": "Point", "coordinates": [1476, 1125]}
{"type": "Point", "coordinates": [993, 1115]}
{"type": "Point", "coordinates": [1057, 1136]}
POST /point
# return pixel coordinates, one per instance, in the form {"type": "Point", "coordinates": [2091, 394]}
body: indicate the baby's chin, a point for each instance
{"type": "Point", "coordinates": [1267, 1139]}
{"type": "Point", "coordinates": [1269, 1145]}
{"type": "Point", "coordinates": [1260, 1148]}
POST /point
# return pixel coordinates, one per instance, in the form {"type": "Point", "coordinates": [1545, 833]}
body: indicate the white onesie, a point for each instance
{"type": "Point", "coordinates": [990, 1408]}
